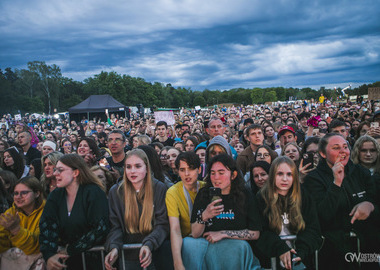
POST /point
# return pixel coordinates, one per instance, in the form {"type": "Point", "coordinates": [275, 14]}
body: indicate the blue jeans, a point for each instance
{"type": "Point", "coordinates": [199, 254]}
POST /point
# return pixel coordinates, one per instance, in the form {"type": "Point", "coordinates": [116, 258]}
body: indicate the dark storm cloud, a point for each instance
{"type": "Point", "coordinates": [198, 44]}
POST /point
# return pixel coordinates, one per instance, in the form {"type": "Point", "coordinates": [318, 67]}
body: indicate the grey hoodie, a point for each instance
{"type": "Point", "coordinates": [221, 141]}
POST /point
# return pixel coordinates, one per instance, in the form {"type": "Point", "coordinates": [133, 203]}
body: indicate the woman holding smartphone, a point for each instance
{"type": "Point", "coordinates": [286, 210]}
{"type": "Point", "coordinates": [232, 216]}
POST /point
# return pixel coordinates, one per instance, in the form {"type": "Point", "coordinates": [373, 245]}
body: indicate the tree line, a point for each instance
{"type": "Point", "coordinates": [43, 88]}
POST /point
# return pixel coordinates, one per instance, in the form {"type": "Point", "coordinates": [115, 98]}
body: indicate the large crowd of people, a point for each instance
{"type": "Point", "coordinates": [222, 188]}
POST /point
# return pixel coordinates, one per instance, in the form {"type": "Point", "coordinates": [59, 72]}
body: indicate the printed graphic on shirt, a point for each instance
{"type": "Point", "coordinates": [226, 215]}
{"type": "Point", "coordinates": [359, 194]}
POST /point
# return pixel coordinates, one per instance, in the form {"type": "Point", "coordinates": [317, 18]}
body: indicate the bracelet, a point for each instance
{"type": "Point", "coordinates": [200, 220]}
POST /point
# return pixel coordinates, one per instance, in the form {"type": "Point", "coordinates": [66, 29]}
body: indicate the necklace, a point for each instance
{"type": "Point", "coordinates": [285, 218]}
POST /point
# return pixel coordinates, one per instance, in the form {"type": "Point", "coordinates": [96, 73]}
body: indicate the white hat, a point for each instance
{"type": "Point", "coordinates": [51, 144]}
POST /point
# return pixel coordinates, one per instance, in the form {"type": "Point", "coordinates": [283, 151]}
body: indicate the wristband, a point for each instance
{"type": "Point", "coordinates": [200, 220]}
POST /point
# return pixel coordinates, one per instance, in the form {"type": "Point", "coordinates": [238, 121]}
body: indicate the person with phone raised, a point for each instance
{"type": "Point", "coordinates": [218, 224]}
{"type": "Point", "coordinates": [179, 203]}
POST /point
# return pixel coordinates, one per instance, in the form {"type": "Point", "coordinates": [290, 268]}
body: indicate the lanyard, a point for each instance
{"type": "Point", "coordinates": [188, 198]}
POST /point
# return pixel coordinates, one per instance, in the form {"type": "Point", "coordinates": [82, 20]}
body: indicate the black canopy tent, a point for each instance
{"type": "Point", "coordinates": [96, 105]}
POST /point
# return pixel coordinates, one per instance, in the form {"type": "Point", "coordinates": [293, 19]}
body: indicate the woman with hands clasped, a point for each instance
{"type": "Point", "coordinates": [19, 225]}
{"type": "Point", "coordinates": [137, 215]}
{"type": "Point", "coordinates": [231, 217]}
{"type": "Point", "coordinates": [287, 210]}
{"type": "Point", "coordinates": [344, 195]}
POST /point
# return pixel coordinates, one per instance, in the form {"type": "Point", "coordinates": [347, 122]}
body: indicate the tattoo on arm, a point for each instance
{"type": "Point", "coordinates": [242, 234]}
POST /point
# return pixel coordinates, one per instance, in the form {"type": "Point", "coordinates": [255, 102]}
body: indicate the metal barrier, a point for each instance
{"type": "Point", "coordinates": [294, 237]}
{"type": "Point", "coordinates": [352, 235]}
{"type": "Point", "coordinates": [128, 246]}
{"type": "Point", "coordinates": [273, 260]}
{"type": "Point", "coordinates": [94, 249]}
{"type": "Point", "coordinates": [102, 250]}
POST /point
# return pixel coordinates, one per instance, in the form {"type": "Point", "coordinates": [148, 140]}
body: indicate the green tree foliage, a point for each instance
{"type": "Point", "coordinates": [257, 96]}
{"type": "Point", "coordinates": [49, 77]}
{"type": "Point", "coordinates": [41, 87]}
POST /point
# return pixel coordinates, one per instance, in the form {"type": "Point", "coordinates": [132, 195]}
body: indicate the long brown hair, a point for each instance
{"type": "Point", "coordinates": [292, 203]}
{"type": "Point", "coordinates": [135, 223]}
{"type": "Point", "coordinates": [85, 176]}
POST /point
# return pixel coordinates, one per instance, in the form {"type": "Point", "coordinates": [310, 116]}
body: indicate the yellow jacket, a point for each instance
{"type": "Point", "coordinates": [27, 238]}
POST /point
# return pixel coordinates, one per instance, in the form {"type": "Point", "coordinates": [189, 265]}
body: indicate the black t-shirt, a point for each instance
{"type": "Point", "coordinates": [233, 218]}
{"type": "Point", "coordinates": [118, 166]}
{"type": "Point", "coordinates": [168, 142]}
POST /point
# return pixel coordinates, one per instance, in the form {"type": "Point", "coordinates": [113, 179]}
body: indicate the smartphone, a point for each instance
{"type": "Point", "coordinates": [215, 194]}
{"type": "Point", "coordinates": [374, 124]}
{"type": "Point", "coordinates": [308, 158]}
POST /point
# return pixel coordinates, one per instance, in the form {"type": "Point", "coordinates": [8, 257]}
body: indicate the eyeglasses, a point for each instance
{"type": "Point", "coordinates": [117, 140]}
{"type": "Point", "coordinates": [21, 193]}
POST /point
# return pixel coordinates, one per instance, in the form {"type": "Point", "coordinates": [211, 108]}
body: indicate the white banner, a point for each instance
{"type": "Point", "coordinates": [167, 116]}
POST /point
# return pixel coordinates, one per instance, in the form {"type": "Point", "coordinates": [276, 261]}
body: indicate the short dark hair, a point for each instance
{"type": "Point", "coordinates": [52, 133]}
{"type": "Point", "coordinates": [190, 158]}
{"type": "Point", "coordinates": [103, 135]}
{"type": "Point", "coordinates": [253, 126]}
{"type": "Point", "coordinates": [162, 123]}
{"type": "Point", "coordinates": [304, 114]}
{"type": "Point", "coordinates": [248, 121]}
{"type": "Point", "coordinates": [336, 123]}
{"type": "Point", "coordinates": [118, 131]}
{"type": "Point", "coordinates": [308, 142]}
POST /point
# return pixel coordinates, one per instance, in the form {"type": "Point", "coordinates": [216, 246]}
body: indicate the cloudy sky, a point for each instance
{"type": "Point", "coordinates": [199, 44]}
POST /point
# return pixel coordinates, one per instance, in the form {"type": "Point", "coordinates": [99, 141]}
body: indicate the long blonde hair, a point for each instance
{"type": "Point", "coordinates": [134, 222]}
{"type": "Point", "coordinates": [293, 200]}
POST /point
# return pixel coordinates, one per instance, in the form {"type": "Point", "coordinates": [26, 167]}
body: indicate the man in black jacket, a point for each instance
{"type": "Point", "coordinates": [24, 139]}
